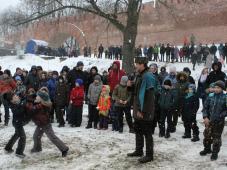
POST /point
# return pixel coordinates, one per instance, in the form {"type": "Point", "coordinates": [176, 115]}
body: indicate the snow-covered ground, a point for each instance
{"type": "Point", "coordinates": [93, 149]}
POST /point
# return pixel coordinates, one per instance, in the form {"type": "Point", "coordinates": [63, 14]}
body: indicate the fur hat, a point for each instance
{"type": "Point", "coordinates": [220, 84]}
{"type": "Point", "coordinates": [182, 74]}
{"type": "Point", "coordinates": [79, 81]}
{"type": "Point", "coordinates": [141, 60]}
{"type": "Point", "coordinates": [124, 80]}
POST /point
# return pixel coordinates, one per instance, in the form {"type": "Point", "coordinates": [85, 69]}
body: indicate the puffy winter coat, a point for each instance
{"type": "Point", "coordinates": [190, 106]}
{"type": "Point", "coordinates": [7, 85]}
{"type": "Point", "coordinates": [121, 93]}
{"type": "Point", "coordinates": [215, 107]}
{"type": "Point", "coordinates": [115, 76]}
{"type": "Point", "coordinates": [62, 95]}
{"type": "Point", "coordinates": [104, 104]}
{"type": "Point", "coordinates": [77, 96]}
{"type": "Point", "coordinates": [166, 99]}
{"type": "Point", "coordinates": [32, 81]}
{"type": "Point", "coordinates": [94, 92]}
{"type": "Point", "coordinates": [51, 85]}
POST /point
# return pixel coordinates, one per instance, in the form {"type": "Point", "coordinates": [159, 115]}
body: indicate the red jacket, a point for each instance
{"type": "Point", "coordinates": [7, 85]}
{"type": "Point", "coordinates": [115, 76]}
{"type": "Point", "coordinates": [77, 96]}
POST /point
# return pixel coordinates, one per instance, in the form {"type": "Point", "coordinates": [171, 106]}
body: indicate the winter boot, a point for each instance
{"type": "Point", "coordinates": [20, 155]}
{"type": "Point", "coordinates": [135, 154]}
{"type": "Point", "coordinates": [145, 159]}
{"type": "Point", "coordinates": [167, 135]}
{"type": "Point", "coordinates": [35, 150]}
{"type": "Point", "coordinates": [214, 157]}
{"type": "Point", "coordinates": [205, 152]}
{"type": "Point", "coordinates": [95, 125]}
{"type": "Point", "coordinates": [64, 153]}
{"type": "Point", "coordinates": [89, 126]}
{"type": "Point", "coordinates": [195, 139]}
{"type": "Point", "coordinates": [61, 125]}
{"type": "Point", "coordinates": [173, 130]}
{"type": "Point", "coordinates": [9, 150]}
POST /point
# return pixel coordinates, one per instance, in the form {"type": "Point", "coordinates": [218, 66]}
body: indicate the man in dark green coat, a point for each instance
{"type": "Point", "coordinates": [143, 110]}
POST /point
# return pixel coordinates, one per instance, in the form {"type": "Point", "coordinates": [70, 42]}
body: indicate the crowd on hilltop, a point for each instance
{"type": "Point", "coordinates": [154, 94]}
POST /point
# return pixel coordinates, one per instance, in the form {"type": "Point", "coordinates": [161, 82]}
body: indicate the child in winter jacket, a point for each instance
{"type": "Point", "coordinates": [20, 88]}
{"type": "Point", "coordinates": [76, 100]}
{"type": "Point", "coordinates": [122, 98]}
{"type": "Point", "coordinates": [18, 108]}
{"type": "Point", "coordinates": [189, 110]}
{"type": "Point", "coordinates": [166, 103]}
{"type": "Point", "coordinates": [214, 113]}
{"type": "Point", "coordinates": [40, 115]}
{"type": "Point", "coordinates": [103, 107]}
{"type": "Point", "coordinates": [94, 92]}
{"type": "Point", "coordinates": [61, 100]}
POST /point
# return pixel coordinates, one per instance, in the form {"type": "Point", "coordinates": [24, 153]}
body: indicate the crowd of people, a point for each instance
{"type": "Point", "coordinates": [45, 97]}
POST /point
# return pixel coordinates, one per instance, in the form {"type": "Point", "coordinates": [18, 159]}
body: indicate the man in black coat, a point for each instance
{"type": "Point", "coordinates": [168, 53]}
{"type": "Point", "coordinates": [216, 74]}
{"type": "Point", "coordinates": [162, 52]}
{"type": "Point", "coordinates": [213, 49]}
{"type": "Point", "coordinates": [101, 50]}
{"type": "Point", "coordinates": [77, 73]}
{"type": "Point", "coordinates": [32, 81]}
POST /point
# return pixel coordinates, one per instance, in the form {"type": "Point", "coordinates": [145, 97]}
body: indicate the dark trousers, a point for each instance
{"type": "Point", "coordinates": [103, 122]}
{"type": "Point", "coordinates": [76, 115]}
{"type": "Point", "coordinates": [168, 58]}
{"type": "Point", "coordinates": [19, 134]}
{"type": "Point", "coordinates": [52, 111]}
{"type": "Point", "coordinates": [175, 115]}
{"type": "Point", "coordinates": [120, 112]}
{"type": "Point", "coordinates": [60, 114]}
{"type": "Point", "coordinates": [93, 115]}
{"type": "Point", "coordinates": [143, 129]}
{"type": "Point", "coordinates": [190, 123]}
{"type": "Point", "coordinates": [212, 135]}
{"type": "Point", "coordinates": [165, 114]}
{"type": "Point", "coordinates": [162, 57]}
{"type": "Point", "coordinates": [100, 55]}
{"type": "Point", "coordinates": [48, 130]}
{"type": "Point", "coordinates": [155, 57]}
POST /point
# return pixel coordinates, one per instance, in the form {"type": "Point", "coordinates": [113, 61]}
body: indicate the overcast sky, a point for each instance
{"type": "Point", "coordinates": [7, 3]}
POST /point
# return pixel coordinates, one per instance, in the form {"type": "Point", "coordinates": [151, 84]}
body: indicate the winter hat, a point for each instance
{"type": "Point", "coordinates": [33, 68]}
{"type": "Point", "coordinates": [18, 78]}
{"type": "Point", "coordinates": [43, 95]}
{"type": "Point", "coordinates": [55, 73]}
{"type": "Point", "coordinates": [124, 80]}
{"type": "Point", "coordinates": [141, 60]}
{"type": "Point", "coordinates": [220, 84]}
{"type": "Point", "coordinates": [167, 82]}
{"type": "Point", "coordinates": [172, 69]}
{"type": "Point", "coordinates": [97, 77]}
{"type": "Point", "coordinates": [192, 86]}
{"type": "Point", "coordinates": [154, 65]}
{"type": "Point", "coordinates": [79, 63]}
{"type": "Point", "coordinates": [7, 72]}
{"type": "Point", "coordinates": [79, 81]}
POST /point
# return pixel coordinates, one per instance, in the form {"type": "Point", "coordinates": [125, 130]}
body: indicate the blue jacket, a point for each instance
{"type": "Point", "coordinates": [51, 85]}
{"type": "Point", "coordinates": [215, 107]}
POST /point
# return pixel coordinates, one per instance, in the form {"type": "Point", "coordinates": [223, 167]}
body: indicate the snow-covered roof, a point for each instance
{"type": "Point", "coordinates": [40, 42]}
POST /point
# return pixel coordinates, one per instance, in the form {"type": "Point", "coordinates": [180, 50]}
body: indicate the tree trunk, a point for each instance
{"type": "Point", "coordinates": [130, 34]}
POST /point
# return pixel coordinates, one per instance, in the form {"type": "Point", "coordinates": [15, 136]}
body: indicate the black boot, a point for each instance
{"type": "Point", "coordinates": [173, 130]}
{"type": "Point", "coordinates": [145, 159]}
{"type": "Point", "coordinates": [205, 152]}
{"type": "Point", "coordinates": [64, 153]}
{"type": "Point", "coordinates": [135, 154]}
{"type": "Point", "coordinates": [89, 126]}
{"type": "Point", "coordinates": [95, 125]}
{"type": "Point", "coordinates": [9, 150]}
{"type": "Point", "coordinates": [167, 135]}
{"type": "Point", "coordinates": [20, 155]}
{"type": "Point", "coordinates": [214, 157]}
{"type": "Point", "coordinates": [195, 139]}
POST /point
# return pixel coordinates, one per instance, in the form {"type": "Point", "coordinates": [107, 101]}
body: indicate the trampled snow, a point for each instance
{"type": "Point", "coordinates": [93, 149]}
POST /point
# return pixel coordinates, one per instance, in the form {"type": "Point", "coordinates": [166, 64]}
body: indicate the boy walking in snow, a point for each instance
{"type": "Point", "coordinates": [189, 110]}
{"type": "Point", "coordinates": [76, 100]}
{"type": "Point", "coordinates": [122, 98]}
{"type": "Point", "coordinates": [94, 92]}
{"type": "Point", "coordinates": [18, 108]}
{"type": "Point", "coordinates": [214, 113]}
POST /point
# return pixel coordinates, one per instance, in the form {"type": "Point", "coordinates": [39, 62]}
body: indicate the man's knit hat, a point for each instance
{"type": "Point", "coordinates": [220, 84]}
{"type": "Point", "coordinates": [124, 80]}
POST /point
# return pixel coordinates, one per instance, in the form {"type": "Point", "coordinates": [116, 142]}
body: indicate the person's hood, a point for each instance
{"type": "Point", "coordinates": [95, 68]}
{"type": "Point", "coordinates": [217, 64]}
{"type": "Point", "coordinates": [118, 64]}
{"type": "Point", "coordinates": [180, 74]}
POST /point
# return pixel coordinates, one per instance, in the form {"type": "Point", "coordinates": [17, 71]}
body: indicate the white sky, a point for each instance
{"type": "Point", "coordinates": [7, 3]}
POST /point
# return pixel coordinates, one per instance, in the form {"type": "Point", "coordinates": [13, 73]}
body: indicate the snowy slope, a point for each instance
{"type": "Point", "coordinates": [93, 149]}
